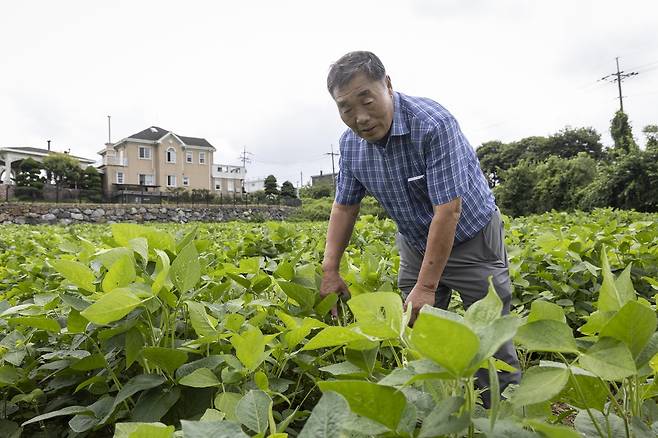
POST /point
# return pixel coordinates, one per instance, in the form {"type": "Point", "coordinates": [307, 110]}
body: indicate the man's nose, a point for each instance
{"type": "Point", "coordinates": [362, 118]}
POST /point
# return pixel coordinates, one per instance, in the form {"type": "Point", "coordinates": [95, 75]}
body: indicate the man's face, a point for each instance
{"type": "Point", "coordinates": [366, 106]}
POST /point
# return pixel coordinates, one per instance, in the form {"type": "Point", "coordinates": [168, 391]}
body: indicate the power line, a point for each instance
{"type": "Point", "coordinates": [619, 77]}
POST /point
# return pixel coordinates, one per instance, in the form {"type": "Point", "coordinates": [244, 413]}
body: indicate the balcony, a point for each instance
{"type": "Point", "coordinates": [228, 172]}
{"type": "Point", "coordinates": [115, 161]}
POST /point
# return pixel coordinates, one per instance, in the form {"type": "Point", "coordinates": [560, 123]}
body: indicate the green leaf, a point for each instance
{"type": "Point", "coordinates": [161, 273]}
{"type": "Point", "coordinates": [285, 270]}
{"type": "Point", "coordinates": [250, 347]}
{"type": "Point", "coordinates": [227, 402]}
{"type": "Point", "coordinates": [445, 419]}
{"type": "Point", "coordinates": [325, 305]}
{"type": "Point", "coordinates": [303, 296]}
{"type": "Point", "coordinates": [252, 410]}
{"type": "Point", "coordinates": [449, 343]}
{"type": "Point", "coordinates": [493, 337]}
{"type": "Point", "coordinates": [166, 358]}
{"type": "Point", "coordinates": [485, 311]}
{"type": "Point", "coordinates": [540, 310]}
{"type": "Point", "coordinates": [548, 336]}
{"type": "Point", "coordinates": [383, 404]}
{"type": "Point", "coordinates": [132, 387]}
{"type": "Point", "coordinates": [611, 425]}
{"type": "Point", "coordinates": [609, 359]}
{"type": "Point", "coordinates": [92, 362]}
{"type": "Point", "coordinates": [123, 233]}
{"type": "Point", "coordinates": [333, 336]}
{"type": "Point", "coordinates": [211, 362]}
{"type": "Point", "coordinates": [141, 246]}
{"type": "Point", "coordinates": [112, 306]}
{"type": "Point", "coordinates": [261, 380]}
{"type": "Point", "coordinates": [201, 322]}
{"type": "Point", "coordinates": [610, 297]}
{"type": "Point", "coordinates": [552, 430]}
{"type": "Point", "coordinates": [327, 417]}
{"type": "Point", "coordinates": [200, 378]}
{"type": "Point", "coordinates": [212, 429]}
{"type": "Point", "coordinates": [76, 323]}
{"type": "Point", "coordinates": [378, 314]}
{"type": "Point", "coordinates": [143, 430]}
{"type": "Point", "coordinates": [155, 403]}
{"type": "Point", "coordinates": [633, 325]}
{"type": "Point", "coordinates": [186, 270]}
{"type": "Point", "coordinates": [38, 322]}
{"type": "Point", "coordinates": [121, 274]}
{"type": "Point", "coordinates": [76, 273]}
{"type": "Point", "coordinates": [539, 384]}
{"type": "Point", "coordinates": [595, 322]}
{"type": "Point", "coordinates": [9, 375]}
{"type": "Point", "coordinates": [134, 345]}
{"type": "Point", "coordinates": [69, 410]}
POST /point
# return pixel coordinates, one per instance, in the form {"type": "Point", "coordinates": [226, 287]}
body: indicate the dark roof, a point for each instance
{"type": "Point", "coordinates": [46, 151]}
{"type": "Point", "coordinates": [154, 133]}
{"type": "Point", "coordinates": [194, 141]}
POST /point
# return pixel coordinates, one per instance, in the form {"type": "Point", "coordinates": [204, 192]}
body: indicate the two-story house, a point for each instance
{"type": "Point", "coordinates": [157, 159]}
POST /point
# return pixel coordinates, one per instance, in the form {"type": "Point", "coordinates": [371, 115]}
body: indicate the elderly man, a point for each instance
{"type": "Point", "coordinates": [410, 154]}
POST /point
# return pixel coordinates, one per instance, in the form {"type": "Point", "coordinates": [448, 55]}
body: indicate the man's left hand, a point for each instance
{"type": "Point", "coordinates": [419, 296]}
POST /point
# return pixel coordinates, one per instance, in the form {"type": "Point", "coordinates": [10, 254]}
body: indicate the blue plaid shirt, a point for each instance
{"type": "Point", "coordinates": [426, 161]}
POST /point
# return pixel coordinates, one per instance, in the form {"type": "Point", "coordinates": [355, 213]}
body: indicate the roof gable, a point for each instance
{"type": "Point", "coordinates": [155, 133]}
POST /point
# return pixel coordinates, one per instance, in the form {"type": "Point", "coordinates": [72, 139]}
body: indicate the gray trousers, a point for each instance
{"type": "Point", "coordinates": [469, 266]}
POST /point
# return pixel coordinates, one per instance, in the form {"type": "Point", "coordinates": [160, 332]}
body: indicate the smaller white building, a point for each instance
{"type": "Point", "coordinates": [254, 185]}
{"type": "Point", "coordinates": [228, 179]}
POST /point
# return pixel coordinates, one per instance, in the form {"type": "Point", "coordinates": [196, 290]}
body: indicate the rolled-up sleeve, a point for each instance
{"type": "Point", "coordinates": [349, 190]}
{"type": "Point", "coordinates": [446, 162]}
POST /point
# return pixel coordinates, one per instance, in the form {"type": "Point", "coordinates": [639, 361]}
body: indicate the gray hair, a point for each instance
{"type": "Point", "coordinates": [351, 64]}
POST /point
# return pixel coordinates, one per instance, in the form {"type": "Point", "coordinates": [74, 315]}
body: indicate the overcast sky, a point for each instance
{"type": "Point", "coordinates": [253, 73]}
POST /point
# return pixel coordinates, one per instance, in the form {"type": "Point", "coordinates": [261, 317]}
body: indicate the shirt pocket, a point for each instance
{"type": "Point", "coordinates": [417, 190]}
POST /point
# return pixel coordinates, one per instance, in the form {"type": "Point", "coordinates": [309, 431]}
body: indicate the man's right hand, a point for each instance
{"type": "Point", "coordinates": [333, 283]}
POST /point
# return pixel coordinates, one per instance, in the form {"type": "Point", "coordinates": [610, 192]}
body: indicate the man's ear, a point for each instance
{"type": "Point", "coordinates": [389, 85]}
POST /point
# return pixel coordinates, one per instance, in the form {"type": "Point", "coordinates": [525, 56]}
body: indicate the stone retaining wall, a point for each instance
{"type": "Point", "coordinates": [103, 213]}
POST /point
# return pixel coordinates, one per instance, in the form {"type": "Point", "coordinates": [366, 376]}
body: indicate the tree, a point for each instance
{"type": "Point", "coordinates": [29, 174]}
{"type": "Point", "coordinates": [622, 133]}
{"type": "Point", "coordinates": [271, 186]}
{"type": "Point", "coordinates": [288, 190]}
{"type": "Point", "coordinates": [91, 179]}
{"type": "Point", "coordinates": [651, 132]}
{"type": "Point", "coordinates": [62, 170]}
{"type": "Point", "coordinates": [489, 155]}
{"type": "Point", "coordinates": [570, 142]}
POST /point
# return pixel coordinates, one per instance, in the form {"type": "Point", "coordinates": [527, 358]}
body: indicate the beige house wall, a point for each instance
{"type": "Point", "coordinates": [199, 175]}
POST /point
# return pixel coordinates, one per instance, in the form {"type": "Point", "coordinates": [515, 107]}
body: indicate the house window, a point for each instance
{"type": "Point", "coordinates": [188, 157]}
{"type": "Point", "coordinates": [202, 158]}
{"type": "Point", "coordinates": [171, 180]}
{"type": "Point", "coordinates": [119, 177]}
{"type": "Point", "coordinates": [144, 152]}
{"type": "Point", "coordinates": [146, 180]}
{"type": "Point", "coordinates": [231, 185]}
{"type": "Point", "coordinates": [171, 155]}
{"type": "Point", "coordinates": [218, 186]}
{"type": "Point", "coordinates": [186, 181]}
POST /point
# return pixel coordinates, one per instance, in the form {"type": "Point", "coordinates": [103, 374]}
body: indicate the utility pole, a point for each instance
{"type": "Point", "coordinates": [618, 77]}
{"type": "Point", "coordinates": [333, 169]}
{"type": "Point", "coordinates": [245, 159]}
{"type": "Point", "coordinates": [301, 179]}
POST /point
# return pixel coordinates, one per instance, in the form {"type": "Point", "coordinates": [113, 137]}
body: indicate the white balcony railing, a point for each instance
{"type": "Point", "coordinates": [115, 161]}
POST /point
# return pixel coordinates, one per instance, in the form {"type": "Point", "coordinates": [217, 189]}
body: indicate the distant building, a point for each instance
{"type": "Point", "coordinates": [323, 179]}
{"type": "Point", "coordinates": [254, 185]}
{"type": "Point", "coordinates": [11, 158]}
{"type": "Point", "coordinates": [228, 179]}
